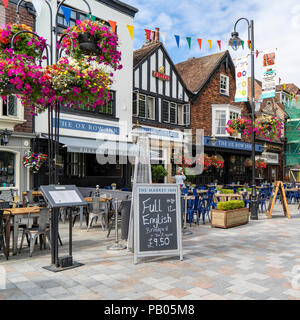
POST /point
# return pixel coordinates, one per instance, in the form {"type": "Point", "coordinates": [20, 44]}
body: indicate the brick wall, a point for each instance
{"type": "Point", "coordinates": [201, 110]}
{"type": "Point", "coordinates": [6, 16]}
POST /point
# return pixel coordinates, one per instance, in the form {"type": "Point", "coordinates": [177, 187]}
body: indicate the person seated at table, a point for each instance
{"type": "Point", "coordinates": [180, 178]}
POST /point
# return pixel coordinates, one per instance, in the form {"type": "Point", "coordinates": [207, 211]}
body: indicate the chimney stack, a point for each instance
{"type": "Point", "coordinates": [153, 36]}
{"type": "Point", "coordinates": [157, 34]}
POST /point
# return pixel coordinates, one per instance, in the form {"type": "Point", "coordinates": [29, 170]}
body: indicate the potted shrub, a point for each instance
{"type": "Point", "coordinates": [229, 214]}
{"type": "Point", "coordinates": [158, 173]}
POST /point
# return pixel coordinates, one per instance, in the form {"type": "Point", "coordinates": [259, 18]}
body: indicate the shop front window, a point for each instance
{"type": "Point", "coordinates": [7, 169]}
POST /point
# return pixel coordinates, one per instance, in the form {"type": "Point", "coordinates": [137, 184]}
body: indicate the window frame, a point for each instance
{"type": "Point", "coordinates": [17, 106]}
{"type": "Point", "coordinates": [226, 91]}
{"type": "Point", "coordinates": [227, 109]}
{"type": "Point", "coordinates": [175, 107]}
{"type": "Point", "coordinates": [137, 101]}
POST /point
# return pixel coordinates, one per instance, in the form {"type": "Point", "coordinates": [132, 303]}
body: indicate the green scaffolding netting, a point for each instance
{"type": "Point", "coordinates": [292, 133]}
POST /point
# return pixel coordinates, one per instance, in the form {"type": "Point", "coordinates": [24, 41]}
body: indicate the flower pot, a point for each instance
{"type": "Point", "coordinates": [88, 44]}
{"type": "Point", "coordinates": [230, 218]}
{"type": "Point", "coordinates": [10, 89]}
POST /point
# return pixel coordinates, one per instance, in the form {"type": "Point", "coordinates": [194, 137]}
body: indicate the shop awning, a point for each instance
{"type": "Point", "coordinates": [92, 146]}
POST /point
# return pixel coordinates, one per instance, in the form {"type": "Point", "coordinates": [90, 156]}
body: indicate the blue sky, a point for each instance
{"type": "Point", "coordinates": [277, 25]}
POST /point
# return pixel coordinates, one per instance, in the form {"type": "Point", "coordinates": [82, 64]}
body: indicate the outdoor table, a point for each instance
{"type": "Point", "coordinates": [199, 191]}
{"type": "Point", "coordinates": [34, 193]}
{"type": "Point", "coordinates": [228, 197]}
{"type": "Point", "coordinates": [89, 200]}
{"type": "Point", "coordinates": [14, 213]}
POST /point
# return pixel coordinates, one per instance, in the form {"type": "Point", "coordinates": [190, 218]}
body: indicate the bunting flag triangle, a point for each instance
{"type": "Point", "coordinates": [189, 39]}
{"type": "Point", "coordinates": [148, 33]}
{"type": "Point", "coordinates": [249, 44]}
{"type": "Point", "coordinates": [243, 44]}
{"type": "Point", "coordinates": [67, 13]}
{"type": "Point", "coordinates": [91, 17]}
{"type": "Point", "coordinates": [293, 95]}
{"type": "Point", "coordinates": [209, 42]}
{"type": "Point", "coordinates": [113, 25]}
{"type": "Point", "coordinates": [5, 3]}
{"type": "Point", "coordinates": [163, 37]}
{"type": "Point", "coordinates": [297, 99]}
{"type": "Point", "coordinates": [279, 79]}
{"type": "Point", "coordinates": [257, 53]}
{"type": "Point", "coordinates": [177, 40]}
{"type": "Point", "coordinates": [284, 86]}
{"type": "Point", "coordinates": [131, 30]}
{"type": "Point", "coordinates": [219, 44]}
{"type": "Point", "coordinates": [200, 43]}
{"type": "Point", "coordinates": [235, 44]}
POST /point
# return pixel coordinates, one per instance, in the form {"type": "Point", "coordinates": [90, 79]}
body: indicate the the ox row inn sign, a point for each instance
{"type": "Point", "coordinates": [160, 74]}
{"type": "Point", "coordinates": [157, 221]}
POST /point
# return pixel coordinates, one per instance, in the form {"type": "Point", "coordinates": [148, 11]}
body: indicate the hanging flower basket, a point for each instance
{"type": "Point", "coordinates": [269, 127]}
{"type": "Point", "coordinates": [206, 161]}
{"type": "Point", "coordinates": [28, 81]}
{"type": "Point", "coordinates": [248, 163]}
{"type": "Point", "coordinates": [217, 161]}
{"type": "Point", "coordinates": [79, 83]}
{"type": "Point", "coordinates": [34, 161]}
{"type": "Point", "coordinates": [238, 126]}
{"type": "Point", "coordinates": [88, 44]}
{"type": "Point", "coordinates": [260, 164]}
{"type": "Point", "coordinates": [92, 39]}
{"type": "Point", "coordinates": [10, 89]}
{"type": "Point", "coordinates": [24, 43]}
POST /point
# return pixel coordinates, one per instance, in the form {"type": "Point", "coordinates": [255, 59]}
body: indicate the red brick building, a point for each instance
{"type": "Point", "coordinates": [15, 120]}
{"type": "Point", "coordinates": [212, 81]}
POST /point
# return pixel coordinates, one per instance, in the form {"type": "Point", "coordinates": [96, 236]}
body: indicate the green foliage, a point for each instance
{"type": "Point", "coordinates": [158, 173]}
{"type": "Point", "coordinates": [227, 191]}
{"type": "Point", "coordinates": [230, 205]}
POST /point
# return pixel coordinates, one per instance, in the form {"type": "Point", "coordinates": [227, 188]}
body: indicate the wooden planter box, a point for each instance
{"type": "Point", "coordinates": [230, 218]}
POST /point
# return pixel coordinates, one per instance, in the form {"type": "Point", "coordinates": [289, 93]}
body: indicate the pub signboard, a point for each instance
{"type": "Point", "coordinates": [157, 221]}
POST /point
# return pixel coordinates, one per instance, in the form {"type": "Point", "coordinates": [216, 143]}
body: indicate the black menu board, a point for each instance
{"type": "Point", "coordinates": [157, 220]}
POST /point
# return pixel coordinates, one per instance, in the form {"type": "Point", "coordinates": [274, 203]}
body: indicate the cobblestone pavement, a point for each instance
{"type": "Point", "coordinates": [260, 260]}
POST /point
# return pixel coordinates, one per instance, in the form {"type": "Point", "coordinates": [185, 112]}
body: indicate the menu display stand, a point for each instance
{"type": "Point", "coordinates": [57, 197]}
{"type": "Point", "coordinates": [278, 186]}
{"type": "Point", "coordinates": [157, 221]}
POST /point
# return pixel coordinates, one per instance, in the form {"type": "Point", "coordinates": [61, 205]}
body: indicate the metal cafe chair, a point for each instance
{"type": "Point", "coordinates": [42, 231]}
{"type": "Point", "coordinates": [99, 209]}
{"type": "Point", "coordinates": [30, 200]}
{"type": "Point", "coordinates": [3, 225]}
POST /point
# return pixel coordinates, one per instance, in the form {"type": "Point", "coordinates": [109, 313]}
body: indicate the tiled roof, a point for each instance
{"type": "Point", "coordinates": [196, 71]}
{"type": "Point", "coordinates": [290, 87]}
{"type": "Point", "coordinates": [142, 53]}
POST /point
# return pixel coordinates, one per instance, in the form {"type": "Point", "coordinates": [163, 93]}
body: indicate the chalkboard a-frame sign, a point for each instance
{"type": "Point", "coordinates": [157, 221]}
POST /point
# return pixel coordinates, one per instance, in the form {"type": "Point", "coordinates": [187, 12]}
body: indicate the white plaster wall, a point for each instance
{"type": "Point", "coordinates": [122, 79]}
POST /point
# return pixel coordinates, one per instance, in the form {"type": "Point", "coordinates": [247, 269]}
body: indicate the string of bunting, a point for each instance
{"type": "Point", "coordinates": [113, 24]}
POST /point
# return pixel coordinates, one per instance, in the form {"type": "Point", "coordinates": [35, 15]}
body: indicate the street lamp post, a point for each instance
{"type": "Point", "coordinates": [235, 42]}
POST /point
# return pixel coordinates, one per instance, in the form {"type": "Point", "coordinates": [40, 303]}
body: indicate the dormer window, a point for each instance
{"type": "Point", "coordinates": [224, 85]}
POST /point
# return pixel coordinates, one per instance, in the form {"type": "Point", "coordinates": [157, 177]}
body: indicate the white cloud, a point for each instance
{"type": "Point", "coordinates": [277, 25]}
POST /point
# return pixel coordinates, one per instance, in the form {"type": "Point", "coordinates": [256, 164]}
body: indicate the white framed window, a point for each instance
{"type": "Point", "coordinates": [187, 114]}
{"type": "Point", "coordinates": [169, 112]}
{"type": "Point", "coordinates": [224, 84]}
{"type": "Point", "coordinates": [143, 106]}
{"type": "Point", "coordinates": [183, 114]}
{"type": "Point", "coordinates": [9, 107]}
{"type": "Point", "coordinates": [221, 114]}
{"type": "Point", "coordinates": [220, 122]}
